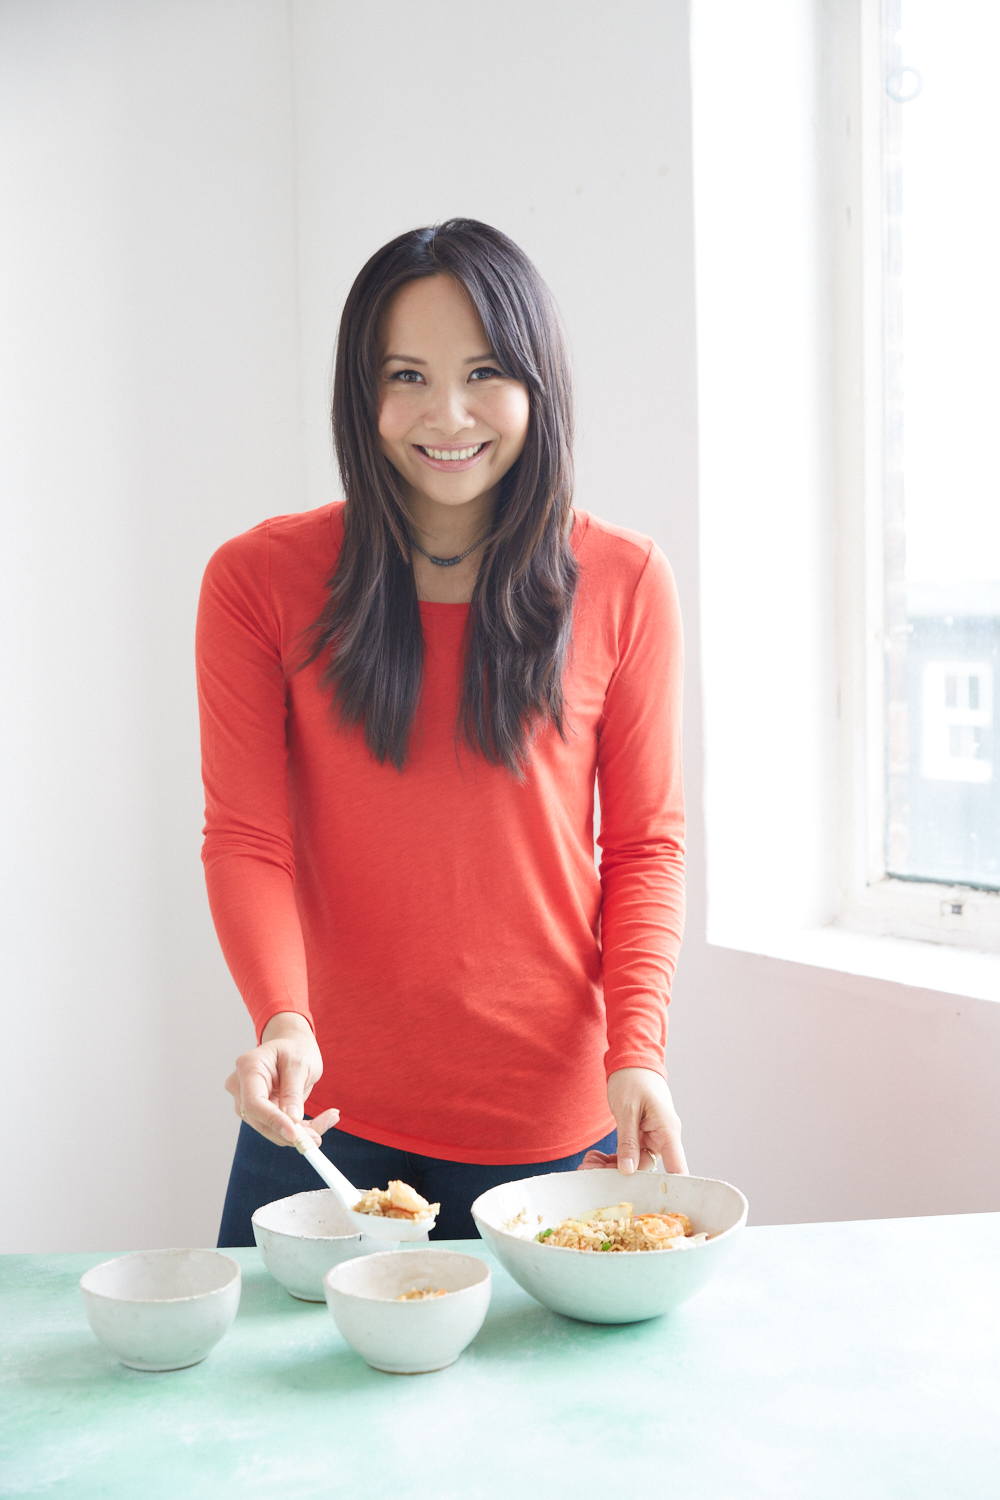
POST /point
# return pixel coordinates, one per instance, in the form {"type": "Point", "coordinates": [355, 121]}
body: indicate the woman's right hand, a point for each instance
{"type": "Point", "coordinates": [272, 1081]}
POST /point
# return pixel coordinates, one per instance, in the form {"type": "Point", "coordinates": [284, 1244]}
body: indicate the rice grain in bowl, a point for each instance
{"type": "Point", "coordinates": [374, 1308]}
{"type": "Point", "coordinates": [621, 1288]}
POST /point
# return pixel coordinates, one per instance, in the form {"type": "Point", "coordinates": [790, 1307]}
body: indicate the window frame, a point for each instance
{"type": "Point", "coordinates": [872, 901]}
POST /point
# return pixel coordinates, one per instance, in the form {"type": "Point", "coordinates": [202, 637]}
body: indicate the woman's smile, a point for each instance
{"type": "Point", "coordinates": [452, 458]}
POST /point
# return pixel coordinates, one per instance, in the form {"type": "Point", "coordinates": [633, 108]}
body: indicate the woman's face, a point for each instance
{"type": "Point", "coordinates": [449, 421]}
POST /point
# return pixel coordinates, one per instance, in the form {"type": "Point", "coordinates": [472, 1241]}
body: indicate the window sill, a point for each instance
{"type": "Point", "coordinates": [921, 965]}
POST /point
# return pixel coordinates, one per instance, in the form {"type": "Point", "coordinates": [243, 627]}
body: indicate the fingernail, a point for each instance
{"type": "Point", "coordinates": [294, 1112]}
{"type": "Point", "coordinates": [626, 1165]}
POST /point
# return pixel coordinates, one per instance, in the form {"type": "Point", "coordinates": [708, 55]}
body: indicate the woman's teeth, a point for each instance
{"type": "Point", "coordinates": [452, 453]}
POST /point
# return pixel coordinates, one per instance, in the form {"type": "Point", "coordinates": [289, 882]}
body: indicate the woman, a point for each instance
{"type": "Point", "coordinates": [405, 701]}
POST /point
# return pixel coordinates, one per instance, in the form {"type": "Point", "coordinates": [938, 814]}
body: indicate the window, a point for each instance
{"type": "Point", "coordinates": [941, 140]}
{"type": "Point", "coordinates": [932, 138]}
{"type": "Point", "coordinates": [849, 515]}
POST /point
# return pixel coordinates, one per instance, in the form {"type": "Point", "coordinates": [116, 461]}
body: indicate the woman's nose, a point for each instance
{"type": "Point", "coordinates": [448, 413]}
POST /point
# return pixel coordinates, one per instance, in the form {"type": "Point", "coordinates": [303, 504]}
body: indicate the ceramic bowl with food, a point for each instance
{"type": "Point", "coordinates": [300, 1238]}
{"type": "Point", "coordinates": [595, 1287]}
{"type": "Point", "coordinates": [162, 1309]}
{"type": "Point", "coordinates": [409, 1311]}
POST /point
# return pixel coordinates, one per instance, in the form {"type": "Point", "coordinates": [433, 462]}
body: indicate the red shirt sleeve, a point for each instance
{"type": "Point", "coordinates": [642, 822]}
{"type": "Point", "coordinates": [247, 852]}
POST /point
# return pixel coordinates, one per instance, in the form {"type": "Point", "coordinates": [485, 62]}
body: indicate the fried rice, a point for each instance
{"type": "Point", "coordinates": [397, 1201]}
{"type": "Point", "coordinates": [617, 1229]}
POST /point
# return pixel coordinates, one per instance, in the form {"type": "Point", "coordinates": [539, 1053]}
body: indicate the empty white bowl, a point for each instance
{"type": "Point", "coordinates": [409, 1338]}
{"type": "Point", "coordinates": [622, 1288]}
{"type": "Point", "coordinates": [162, 1309]}
{"type": "Point", "coordinates": [300, 1238]}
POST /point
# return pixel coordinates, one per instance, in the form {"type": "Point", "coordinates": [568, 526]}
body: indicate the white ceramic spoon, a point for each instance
{"type": "Point", "coordinates": [347, 1195]}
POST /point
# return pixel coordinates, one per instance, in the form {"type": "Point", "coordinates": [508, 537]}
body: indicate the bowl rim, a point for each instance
{"type": "Point", "coordinates": [733, 1229]}
{"type": "Point", "coordinates": [286, 1234]}
{"type": "Point", "coordinates": [214, 1291]}
{"type": "Point", "coordinates": [474, 1286]}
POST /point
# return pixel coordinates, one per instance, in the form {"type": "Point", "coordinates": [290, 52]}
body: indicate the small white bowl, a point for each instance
{"type": "Point", "coordinates": [302, 1237]}
{"type": "Point", "coordinates": [409, 1338]}
{"type": "Point", "coordinates": [600, 1288]}
{"type": "Point", "coordinates": [162, 1309]}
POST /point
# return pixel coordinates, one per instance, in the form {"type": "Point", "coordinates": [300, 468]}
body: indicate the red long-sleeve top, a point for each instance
{"type": "Point", "coordinates": [444, 929]}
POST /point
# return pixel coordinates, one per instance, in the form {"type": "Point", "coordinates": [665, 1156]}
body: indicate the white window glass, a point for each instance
{"type": "Point", "coordinates": [942, 426]}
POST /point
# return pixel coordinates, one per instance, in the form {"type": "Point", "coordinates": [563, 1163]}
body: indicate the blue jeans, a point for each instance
{"type": "Point", "coordinates": [262, 1172]}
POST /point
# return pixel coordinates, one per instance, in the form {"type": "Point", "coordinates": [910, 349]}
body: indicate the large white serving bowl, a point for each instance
{"type": "Point", "coordinates": [300, 1238]}
{"type": "Point", "coordinates": [621, 1288]}
{"type": "Point", "coordinates": [162, 1309]}
{"type": "Point", "coordinates": [409, 1338]}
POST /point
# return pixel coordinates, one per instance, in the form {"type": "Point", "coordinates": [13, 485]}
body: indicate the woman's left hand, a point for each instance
{"type": "Point", "coordinates": [647, 1122]}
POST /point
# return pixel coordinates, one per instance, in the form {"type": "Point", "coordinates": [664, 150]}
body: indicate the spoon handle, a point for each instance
{"type": "Point", "coordinates": [346, 1193]}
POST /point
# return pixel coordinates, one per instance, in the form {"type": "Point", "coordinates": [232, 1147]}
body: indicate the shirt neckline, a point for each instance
{"type": "Point", "coordinates": [581, 523]}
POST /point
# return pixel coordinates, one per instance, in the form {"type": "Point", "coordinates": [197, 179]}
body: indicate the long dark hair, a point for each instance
{"type": "Point", "coordinates": [520, 622]}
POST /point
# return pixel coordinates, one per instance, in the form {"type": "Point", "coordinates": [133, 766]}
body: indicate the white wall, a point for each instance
{"type": "Point", "coordinates": [151, 408]}
{"type": "Point", "coordinates": [767, 517]}
{"type": "Point", "coordinates": [197, 183]}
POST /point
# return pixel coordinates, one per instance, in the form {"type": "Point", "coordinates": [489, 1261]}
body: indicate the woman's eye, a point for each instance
{"type": "Point", "coordinates": [408, 377]}
{"type": "Point", "coordinates": [483, 372]}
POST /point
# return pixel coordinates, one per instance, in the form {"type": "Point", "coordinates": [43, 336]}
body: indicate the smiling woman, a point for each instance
{"type": "Point", "coordinates": [406, 699]}
{"type": "Point", "coordinates": [449, 340]}
{"type": "Point", "coordinates": [449, 411]}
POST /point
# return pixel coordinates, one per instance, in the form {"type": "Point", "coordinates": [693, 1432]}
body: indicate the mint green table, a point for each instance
{"type": "Point", "coordinates": [825, 1362]}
